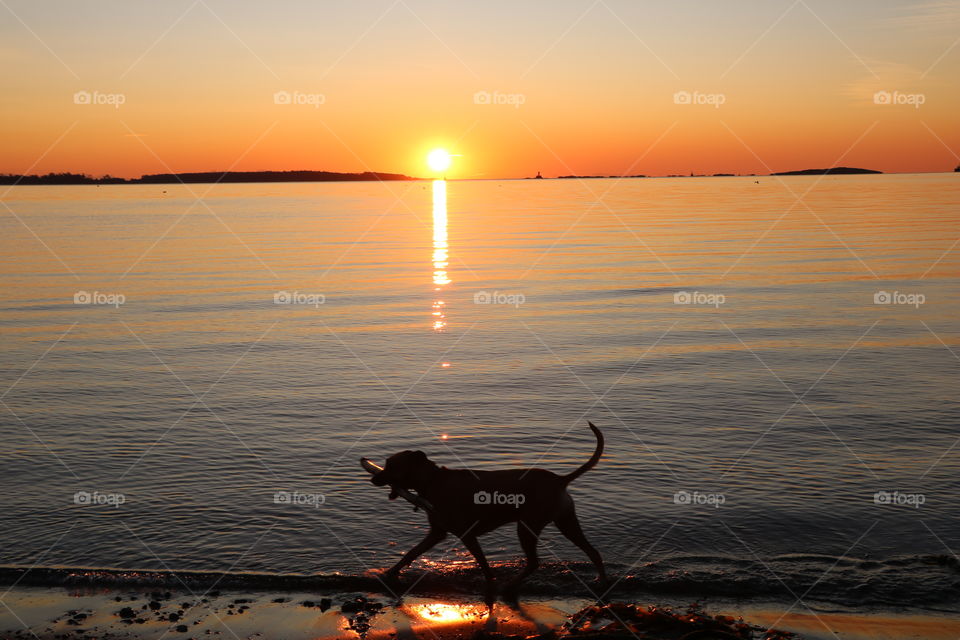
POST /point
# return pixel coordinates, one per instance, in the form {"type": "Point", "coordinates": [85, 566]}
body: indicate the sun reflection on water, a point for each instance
{"type": "Point", "coordinates": [441, 256]}
{"type": "Point", "coordinates": [445, 613]}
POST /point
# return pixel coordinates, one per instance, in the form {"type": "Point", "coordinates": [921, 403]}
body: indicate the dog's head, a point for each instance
{"type": "Point", "coordinates": [405, 470]}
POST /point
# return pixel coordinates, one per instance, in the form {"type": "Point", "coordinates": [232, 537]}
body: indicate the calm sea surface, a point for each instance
{"type": "Point", "coordinates": [724, 335]}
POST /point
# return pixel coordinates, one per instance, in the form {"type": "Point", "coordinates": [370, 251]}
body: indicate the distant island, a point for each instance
{"type": "Point", "coordinates": [203, 177]}
{"type": "Point", "coordinates": [820, 172]}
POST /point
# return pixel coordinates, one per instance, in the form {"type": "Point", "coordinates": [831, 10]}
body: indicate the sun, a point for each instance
{"type": "Point", "coordinates": [439, 159]}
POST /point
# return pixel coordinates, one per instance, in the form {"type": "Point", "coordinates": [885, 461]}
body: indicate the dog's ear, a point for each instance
{"type": "Point", "coordinates": [419, 455]}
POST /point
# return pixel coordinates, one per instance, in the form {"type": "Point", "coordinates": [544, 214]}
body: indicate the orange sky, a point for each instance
{"type": "Point", "coordinates": [584, 87]}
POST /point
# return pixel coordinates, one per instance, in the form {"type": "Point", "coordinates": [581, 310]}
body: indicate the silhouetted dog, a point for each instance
{"type": "Point", "coordinates": [470, 503]}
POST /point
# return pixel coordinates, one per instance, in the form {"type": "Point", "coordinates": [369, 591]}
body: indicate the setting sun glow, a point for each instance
{"type": "Point", "coordinates": [438, 160]}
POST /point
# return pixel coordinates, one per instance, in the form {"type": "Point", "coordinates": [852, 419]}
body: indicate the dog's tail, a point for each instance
{"type": "Point", "coordinates": [592, 462]}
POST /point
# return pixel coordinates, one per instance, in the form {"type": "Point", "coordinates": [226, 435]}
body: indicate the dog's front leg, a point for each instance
{"type": "Point", "coordinates": [432, 538]}
{"type": "Point", "coordinates": [473, 546]}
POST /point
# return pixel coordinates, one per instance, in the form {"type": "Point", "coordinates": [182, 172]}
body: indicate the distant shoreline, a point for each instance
{"type": "Point", "coordinates": [267, 177]}
{"type": "Point", "coordinates": [203, 177]}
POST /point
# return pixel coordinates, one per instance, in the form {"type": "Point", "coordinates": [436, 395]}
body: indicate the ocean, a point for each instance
{"type": "Point", "coordinates": [191, 374]}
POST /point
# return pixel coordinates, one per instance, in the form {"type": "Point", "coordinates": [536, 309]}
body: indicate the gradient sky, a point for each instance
{"type": "Point", "coordinates": [596, 79]}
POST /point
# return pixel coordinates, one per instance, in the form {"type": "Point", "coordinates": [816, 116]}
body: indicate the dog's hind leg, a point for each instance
{"type": "Point", "coordinates": [570, 527]}
{"type": "Point", "coordinates": [529, 534]}
{"type": "Point", "coordinates": [473, 546]}
{"type": "Point", "coordinates": [432, 538]}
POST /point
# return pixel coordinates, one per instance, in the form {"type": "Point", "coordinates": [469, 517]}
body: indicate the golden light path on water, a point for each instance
{"type": "Point", "coordinates": [440, 253]}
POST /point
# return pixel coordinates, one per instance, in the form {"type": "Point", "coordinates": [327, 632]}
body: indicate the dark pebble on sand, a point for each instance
{"type": "Point", "coordinates": [126, 612]}
{"type": "Point", "coordinates": [182, 628]}
{"type": "Point", "coordinates": [308, 603]}
{"type": "Point", "coordinates": [242, 601]}
{"type": "Point", "coordinates": [325, 603]}
{"type": "Point", "coordinates": [118, 599]}
{"type": "Point", "coordinates": [154, 605]}
{"type": "Point", "coordinates": [278, 600]}
{"type": "Point", "coordinates": [173, 617]}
